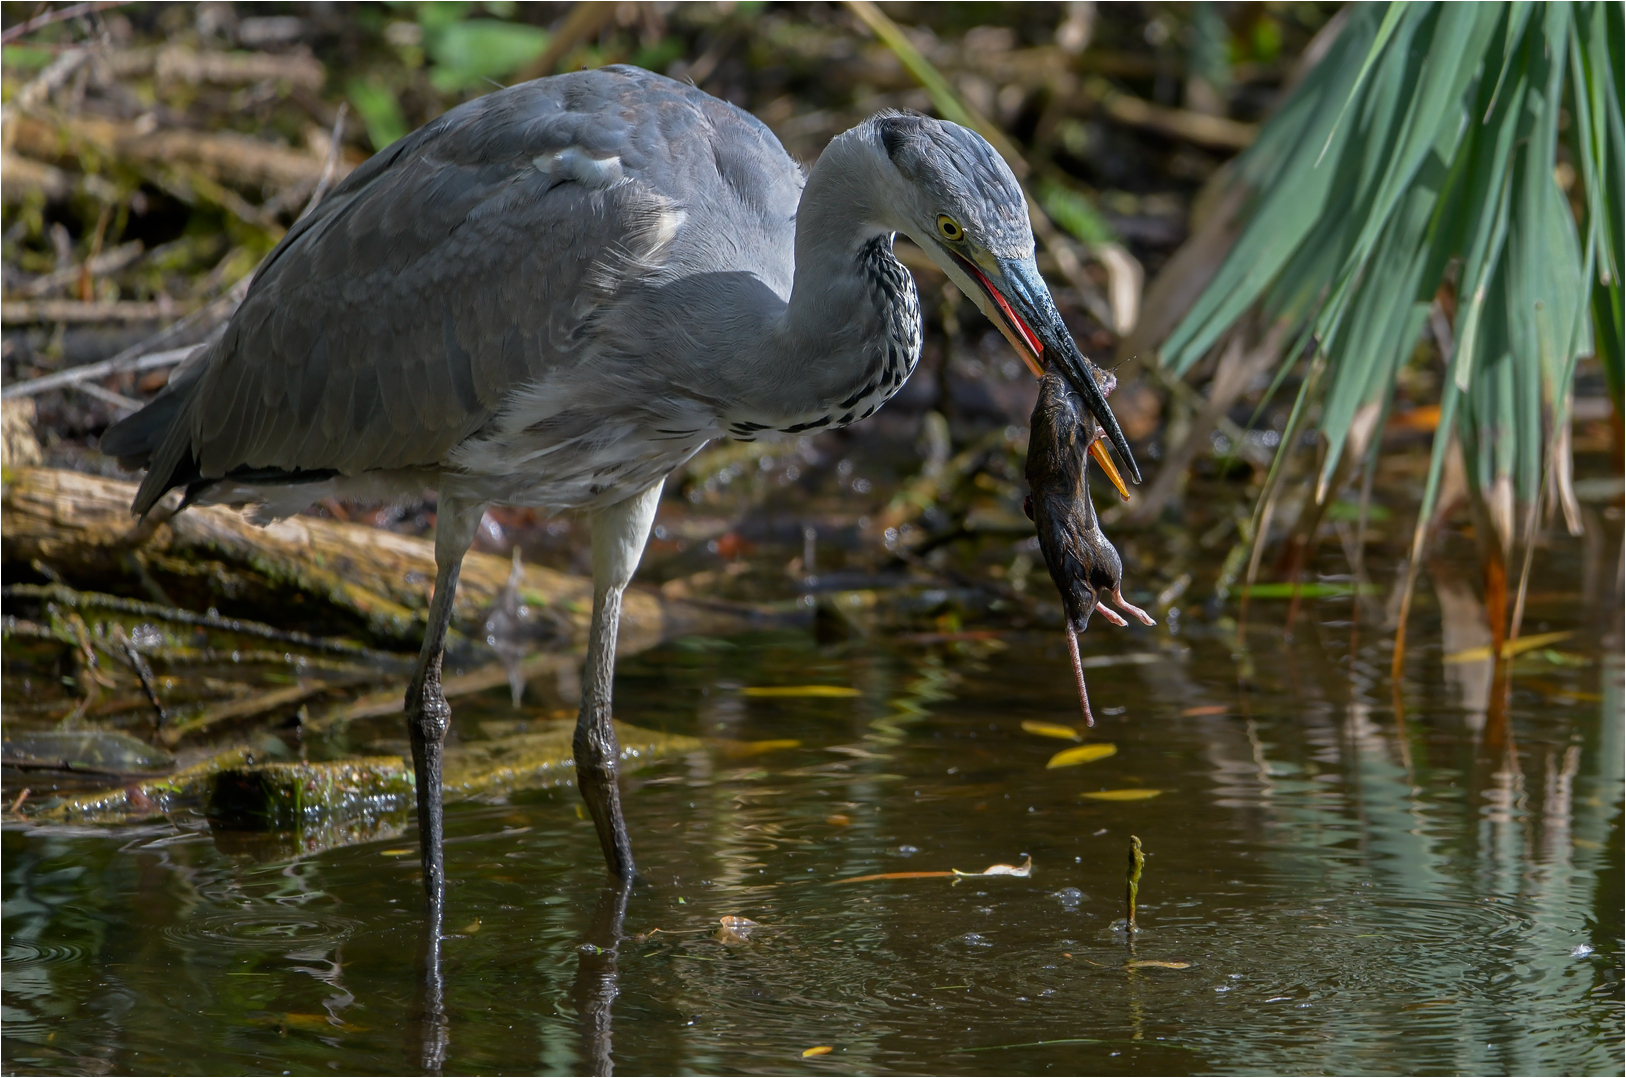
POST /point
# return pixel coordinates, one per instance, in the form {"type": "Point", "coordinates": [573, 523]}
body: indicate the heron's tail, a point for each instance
{"type": "Point", "coordinates": [155, 437]}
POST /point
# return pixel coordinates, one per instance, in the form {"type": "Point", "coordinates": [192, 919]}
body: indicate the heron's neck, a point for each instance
{"type": "Point", "coordinates": [850, 332]}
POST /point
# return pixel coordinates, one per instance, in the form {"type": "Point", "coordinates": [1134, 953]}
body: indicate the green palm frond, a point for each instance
{"type": "Point", "coordinates": [1421, 151]}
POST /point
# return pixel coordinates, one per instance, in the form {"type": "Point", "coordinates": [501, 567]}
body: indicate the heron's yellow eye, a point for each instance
{"type": "Point", "coordinates": [949, 227]}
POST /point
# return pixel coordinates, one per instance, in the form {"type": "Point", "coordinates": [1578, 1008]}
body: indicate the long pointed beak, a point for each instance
{"type": "Point", "coordinates": [1019, 303]}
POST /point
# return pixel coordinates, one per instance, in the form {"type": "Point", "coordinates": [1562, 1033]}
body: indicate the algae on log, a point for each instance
{"type": "Point", "coordinates": [533, 761]}
{"type": "Point", "coordinates": [237, 793]}
{"type": "Point", "coordinates": [79, 525]}
{"type": "Point", "coordinates": [284, 796]}
{"type": "Point", "coordinates": [140, 800]}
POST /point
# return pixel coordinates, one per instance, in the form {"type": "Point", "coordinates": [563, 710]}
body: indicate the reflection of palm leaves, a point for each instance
{"type": "Point", "coordinates": [1422, 150]}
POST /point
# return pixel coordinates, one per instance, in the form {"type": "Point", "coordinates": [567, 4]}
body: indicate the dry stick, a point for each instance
{"type": "Point", "coordinates": [1397, 665]}
{"type": "Point", "coordinates": [1517, 621]}
{"type": "Point", "coordinates": [17, 312]}
{"type": "Point", "coordinates": [89, 600]}
{"type": "Point", "coordinates": [106, 263]}
{"type": "Point", "coordinates": [107, 396]}
{"type": "Point", "coordinates": [61, 14]}
{"type": "Point", "coordinates": [17, 804]}
{"type": "Point", "coordinates": [1272, 492]}
{"type": "Point", "coordinates": [149, 354]}
{"type": "Point", "coordinates": [954, 108]}
{"type": "Point", "coordinates": [584, 20]}
{"type": "Point", "coordinates": [330, 164]}
{"type": "Point", "coordinates": [1358, 563]}
{"type": "Point", "coordinates": [72, 768]}
{"type": "Point", "coordinates": [261, 703]}
{"type": "Point", "coordinates": [143, 671]}
{"type": "Point", "coordinates": [144, 356]}
{"type": "Point", "coordinates": [1137, 862]}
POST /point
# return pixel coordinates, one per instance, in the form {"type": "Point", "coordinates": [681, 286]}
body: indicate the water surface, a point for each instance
{"type": "Point", "coordinates": [1344, 889]}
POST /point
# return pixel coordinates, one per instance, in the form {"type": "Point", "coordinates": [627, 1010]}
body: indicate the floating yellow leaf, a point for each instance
{"type": "Point", "coordinates": [740, 749]}
{"type": "Point", "coordinates": [401, 852]}
{"type": "Point", "coordinates": [1138, 794]}
{"type": "Point", "coordinates": [1152, 963]}
{"type": "Point", "coordinates": [1082, 755]}
{"type": "Point", "coordinates": [472, 927]}
{"type": "Point", "coordinates": [1205, 709]}
{"type": "Point", "coordinates": [821, 1050]}
{"type": "Point", "coordinates": [1509, 649]}
{"type": "Point", "coordinates": [798, 690]}
{"type": "Point", "coordinates": [1051, 729]}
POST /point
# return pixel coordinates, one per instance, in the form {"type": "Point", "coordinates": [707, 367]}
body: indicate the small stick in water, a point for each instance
{"type": "Point", "coordinates": [1137, 862]}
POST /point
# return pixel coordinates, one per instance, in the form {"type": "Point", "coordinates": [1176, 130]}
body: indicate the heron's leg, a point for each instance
{"type": "Point", "coordinates": [428, 714]}
{"type": "Point", "coordinates": [619, 534]}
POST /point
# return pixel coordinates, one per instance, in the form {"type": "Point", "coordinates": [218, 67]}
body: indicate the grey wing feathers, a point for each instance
{"type": "Point", "coordinates": [450, 270]}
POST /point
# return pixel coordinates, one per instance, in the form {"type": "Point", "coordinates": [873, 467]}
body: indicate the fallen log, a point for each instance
{"type": "Point", "coordinates": [79, 526]}
{"type": "Point", "coordinates": [22, 312]}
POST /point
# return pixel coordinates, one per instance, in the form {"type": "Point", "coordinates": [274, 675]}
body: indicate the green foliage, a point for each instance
{"type": "Point", "coordinates": [23, 58]}
{"type": "Point", "coordinates": [1072, 211]}
{"type": "Point", "coordinates": [379, 110]}
{"type": "Point", "coordinates": [1421, 152]}
{"type": "Point", "coordinates": [468, 52]}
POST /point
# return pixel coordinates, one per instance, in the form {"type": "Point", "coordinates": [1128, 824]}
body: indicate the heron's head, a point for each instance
{"type": "Point", "coordinates": [957, 198]}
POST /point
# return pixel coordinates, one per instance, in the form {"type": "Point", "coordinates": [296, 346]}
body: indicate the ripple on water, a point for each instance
{"type": "Point", "coordinates": [263, 929]}
{"type": "Point", "coordinates": [34, 952]}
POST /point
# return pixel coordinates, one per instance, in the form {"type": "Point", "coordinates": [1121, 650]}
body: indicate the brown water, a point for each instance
{"type": "Point", "coordinates": [1345, 889]}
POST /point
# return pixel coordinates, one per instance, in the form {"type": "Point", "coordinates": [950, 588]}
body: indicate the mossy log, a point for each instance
{"type": "Point", "coordinates": [236, 792]}
{"type": "Point", "coordinates": [283, 796]}
{"type": "Point", "coordinates": [79, 526]}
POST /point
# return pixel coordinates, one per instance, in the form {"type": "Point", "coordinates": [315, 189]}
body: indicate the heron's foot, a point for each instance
{"type": "Point", "coordinates": [429, 717]}
{"type": "Point", "coordinates": [1131, 608]}
{"type": "Point", "coordinates": [597, 751]}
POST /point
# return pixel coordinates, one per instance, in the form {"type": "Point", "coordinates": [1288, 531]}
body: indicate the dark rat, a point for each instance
{"type": "Point", "coordinates": [1083, 563]}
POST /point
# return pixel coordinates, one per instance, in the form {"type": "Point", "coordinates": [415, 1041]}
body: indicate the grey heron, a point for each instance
{"type": "Point", "coordinates": [555, 294]}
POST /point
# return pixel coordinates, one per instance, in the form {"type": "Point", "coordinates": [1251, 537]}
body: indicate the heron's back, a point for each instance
{"type": "Point", "coordinates": [485, 259]}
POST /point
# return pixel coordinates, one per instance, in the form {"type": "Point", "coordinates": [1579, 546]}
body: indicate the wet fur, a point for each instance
{"type": "Point", "coordinates": [1083, 564]}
